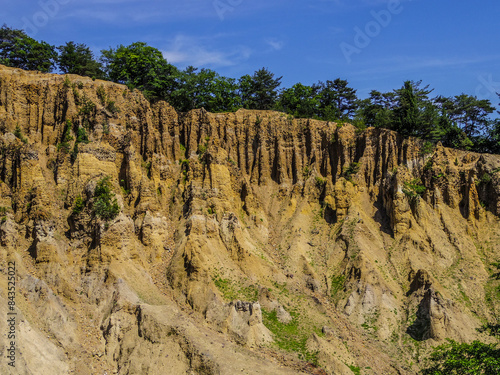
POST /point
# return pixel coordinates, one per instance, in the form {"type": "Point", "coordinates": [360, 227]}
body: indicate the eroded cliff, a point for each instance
{"type": "Point", "coordinates": [246, 242]}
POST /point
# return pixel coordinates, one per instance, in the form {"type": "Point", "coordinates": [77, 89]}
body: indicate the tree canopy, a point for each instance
{"type": "Point", "coordinates": [259, 91]}
{"type": "Point", "coordinates": [461, 121]}
{"type": "Point", "coordinates": [464, 359]}
{"type": "Point", "coordinates": [140, 66]}
{"type": "Point", "coordinates": [79, 59]}
{"type": "Point", "coordinates": [18, 50]}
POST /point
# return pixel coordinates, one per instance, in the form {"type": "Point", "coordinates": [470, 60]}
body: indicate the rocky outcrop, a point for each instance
{"type": "Point", "coordinates": [240, 235]}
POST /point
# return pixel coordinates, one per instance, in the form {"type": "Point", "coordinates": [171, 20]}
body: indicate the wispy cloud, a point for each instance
{"type": "Point", "coordinates": [409, 63]}
{"type": "Point", "coordinates": [275, 43]}
{"type": "Point", "coordinates": [186, 50]}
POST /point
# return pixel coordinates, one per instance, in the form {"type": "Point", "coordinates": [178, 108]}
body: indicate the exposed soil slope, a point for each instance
{"type": "Point", "coordinates": [246, 242]}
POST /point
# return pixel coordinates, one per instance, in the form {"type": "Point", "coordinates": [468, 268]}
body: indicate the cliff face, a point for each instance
{"type": "Point", "coordinates": [239, 235]}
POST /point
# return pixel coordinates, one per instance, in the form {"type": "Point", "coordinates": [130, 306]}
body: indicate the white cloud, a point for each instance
{"type": "Point", "coordinates": [185, 50]}
{"type": "Point", "coordinates": [406, 63]}
{"type": "Point", "coordinates": [275, 43]}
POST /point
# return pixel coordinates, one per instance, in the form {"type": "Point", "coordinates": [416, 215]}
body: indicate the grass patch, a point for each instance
{"type": "Point", "coordinates": [337, 284]}
{"type": "Point", "coordinates": [291, 337]}
{"type": "Point", "coordinates": [356, 370]}
{"type": "Point", "coordinates": [231, 290]}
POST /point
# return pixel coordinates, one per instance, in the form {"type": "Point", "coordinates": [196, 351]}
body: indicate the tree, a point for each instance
{"type": "Point", "coordinates": [18, 50]}
{"type": "Point", "coordinates": [300, 101]}
{"type": "Point", "coordinates": [414, 114]}
{"type": "Point", "coordinates": [206, 89]}
{"type": "Point", "coordinates": [337, 100]}
{"type": "Point", "coordinates": [377, 110]}
{"type": "Point", "coordinates": [494, 136]}
{"type": "Point", "coordinates": [260, 90]}
{"type": "Point", "coordinates": [463, 359]}
{"type": "Point", "coordinates": [468, 123]}
{"type": "Point", "coordinates": [140, 66]}
{"type": "Point", "coordinates": [225, 96]}
{"type": "Point", "coordinates": [471, 114]}
{"type": "Point", "coordinates": [78, 59]}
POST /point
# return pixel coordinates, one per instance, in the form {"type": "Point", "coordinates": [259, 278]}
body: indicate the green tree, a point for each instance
{"type": "Point", "coordinates": [337, 100]}
{"type": "Point", "coordinates": [300, 101]}
{"type": "Point", "coordinates": [467, 124]}
{"type": "Point", "coordinates": [414, 112]}
{"type": "Point", "coordinates": [105, 205]}
{"type": "Point", "coordinates": [18, 50]}
{"type": "Point", "coordinates": [494, 137]}
{"type": "Point", "coordinates": [259, 91]}
{"type": "Point", "coordinates": [78, 59]}
{"type": "Point", "coordinates": [377, 110]}
{"type": "Point", "coordinates": [464, 359]}
{"type": "Point", "coordinates": [141, 66]}
{"type": "Point", "coordinates": [206, 89]}
{"type": "Point", "coordinates": [471, 114]}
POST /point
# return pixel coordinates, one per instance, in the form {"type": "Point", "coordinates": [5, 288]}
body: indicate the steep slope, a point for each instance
{"type": "Point", "coordinates": [246, 242]}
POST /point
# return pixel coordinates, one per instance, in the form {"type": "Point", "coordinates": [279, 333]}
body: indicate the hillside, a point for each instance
{"type": "Point", "coordinates": [247, 242]}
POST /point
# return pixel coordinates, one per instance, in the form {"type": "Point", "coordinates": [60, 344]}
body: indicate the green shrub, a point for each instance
{"type": "Point", "coordinates": [428, 165]}
{"type": "Point", "coordinates": [485, 178]}
{"type": "Point", "coordinates": [427, 148]}
{"type": "Point", "coordinates": [320, 182]}
{"type": "Point", "coordinates": [66, 138]}
{"type": "Point", "coordinates": [78, 205]}
{"type": "Point", "coordinates": [87, 106]}
{"type": "Point", "coordinates": [81, 136]}
{"type": "Point", "coordinates": [306, 172]}
{"type": "Point", "coordinates": [18, 133]}
{"type": "Point", "coordinates": [111, 106]}
{"type": "Point", "coordinates": [455, 358]}
{"type": "Point", "coordinates": [66, 82]}
{"type": "Point", "coordinates": [202, 148]}
{"type": "Point", "coordinates": [101, 94]}
{"type": "Point", "coordinates": [105, 204]}
{"type": "Point", "coordinates": [350, 170]}
{"type": "Point", "coordinates": [147, 166]}
{"type": "Point", "coordinates": [414, 188]}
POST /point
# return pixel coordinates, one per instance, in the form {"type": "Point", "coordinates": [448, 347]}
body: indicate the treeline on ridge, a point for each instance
{"type": "Point", "coordinates": [462, 121]}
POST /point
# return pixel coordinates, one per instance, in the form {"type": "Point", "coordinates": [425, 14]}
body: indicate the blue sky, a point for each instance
{"type": "Point", "coordinates": [373, 44]}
